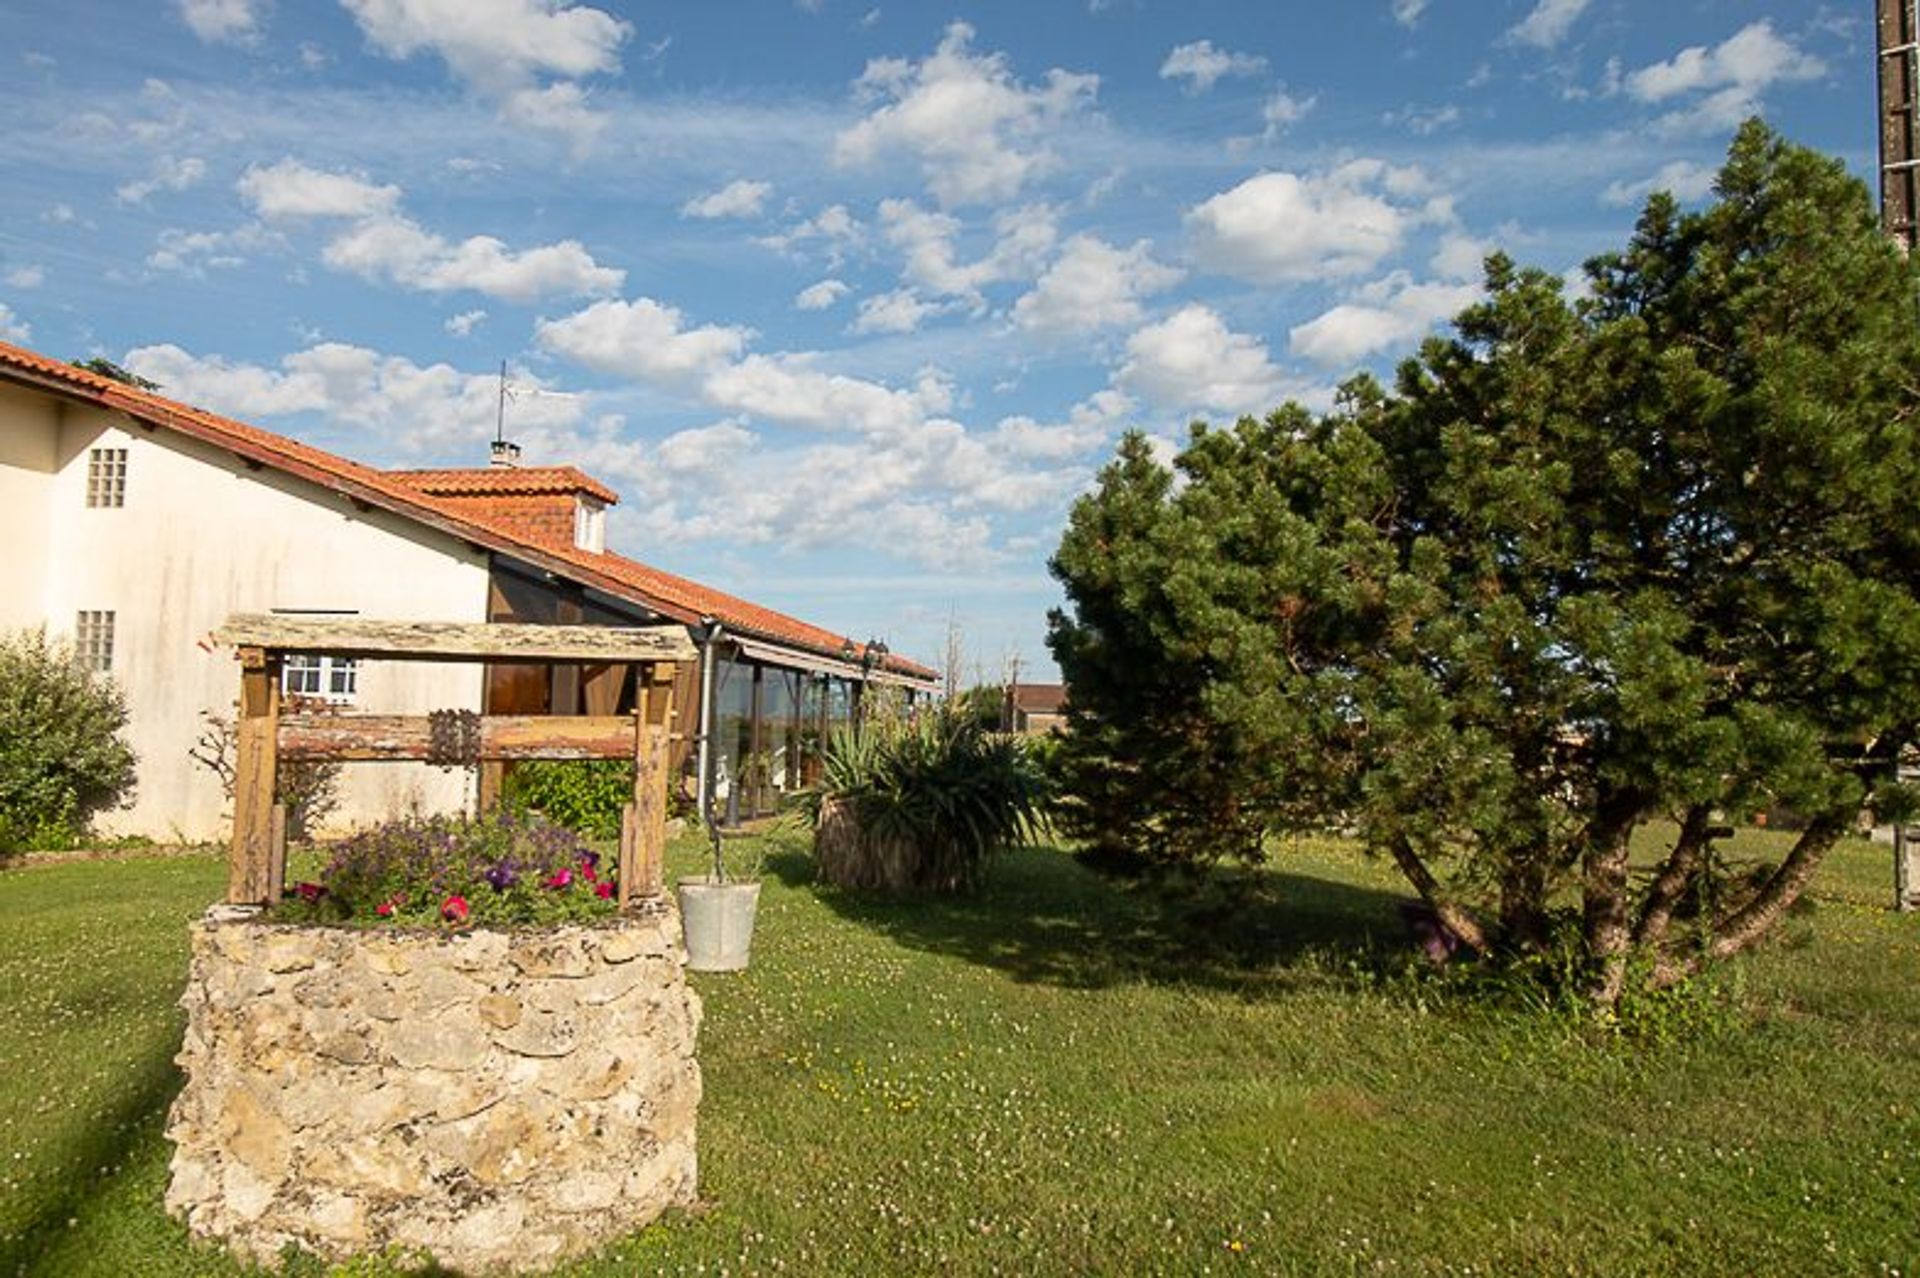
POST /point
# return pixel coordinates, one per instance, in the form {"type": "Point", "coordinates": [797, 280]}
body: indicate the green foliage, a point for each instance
{"type": "Point", "coordinates": [1587, 564]}
{"type": "Point", "coordinates": [586, 795]}
{"type": "Point", "coordinates": [62, 759]}
{"type": "Point", "coordinates": [495, 870]}
{"type": "Point", "coordinates": [922, 803]}
{"type": "Point", "coordinates": [107, 368]}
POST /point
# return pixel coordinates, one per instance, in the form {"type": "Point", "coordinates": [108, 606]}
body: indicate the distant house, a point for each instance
{"type": "Point", "coordinates": [1036, 708]}
{"type": "Point", "coordinates": [135, 525]}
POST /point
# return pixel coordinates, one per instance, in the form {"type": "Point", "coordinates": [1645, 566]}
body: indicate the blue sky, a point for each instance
{"type": "Point", "coordinates": [848, 300]}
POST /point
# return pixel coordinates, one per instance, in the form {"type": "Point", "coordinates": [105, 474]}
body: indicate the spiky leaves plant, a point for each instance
{"type": "Point", "coordinates": [922, 804]}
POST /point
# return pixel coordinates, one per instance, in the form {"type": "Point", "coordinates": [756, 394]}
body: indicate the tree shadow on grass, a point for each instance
{"type": "Point", "coordinates": [1044, 918]}
{"type": "Point", "coordinates": [148, 1088]}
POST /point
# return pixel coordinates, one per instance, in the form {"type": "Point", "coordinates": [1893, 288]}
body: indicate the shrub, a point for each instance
{"type": "Point", "coordinates": [497, 869]}
{"type": "Point", "coordinates": [923, 804]}
{"type": "Point", "coordinates": [62, 759]}
{"type": "Point", "coordinates": [586, 795]}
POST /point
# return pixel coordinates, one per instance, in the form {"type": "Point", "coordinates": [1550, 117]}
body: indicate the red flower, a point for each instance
{"type": "Point", "coordinates": [309, 892]}
{"type": "Point", "coordinates": [384, 909]}
{"type": "Point", "coordinates": [562, 877]}
{"type": "Point", "coordinates": [603, 890]}
{"type": "Point", "coordinates": [587, 871]}
{"type": "Point", "coordinates": [454, 909]}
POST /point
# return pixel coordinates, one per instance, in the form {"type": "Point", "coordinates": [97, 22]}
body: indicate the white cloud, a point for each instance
{"type": "Point", "coordinates": [418, 408]}
{"type": "Point", "coordinates": [1549, 22]}
{"type": "Point", "coordinates": [1283, 110]}
{"type": "Point", "coordinates": [901, 311]}
{"type": "Point", "coordinates": [1461, 257]}
{"type": "Point", "coordinates": [1278, 228]}
{"type": "Point", "coordinates": [788, 388]}
{"type": "Point", "coordinates": [735, 199]}
{"type": "Point", "coordinates": [977, 133]}
{"type": "Point", "coordinates": [1201, 65]}
{"type": "Point", "coordinates": [1090, 424]}
{"type": "Point", "coordinates": [290, 189]}
{"type": "Point", "coordinates": [1093, 285]}
{"type": "Point", "coordinates": [30, 276]}
{"type": "Point", "coordinates": [1407, 12]}
{"type": "Point", "coordinates": [398, 250]}
{"type": "Point", "coordinates": [169, 174]}
{"type": "Point", "coordinates": [1422, 121]}
{"type": "Point", "coordinates": [13, 328]}
{"type": "Point", "coordinates": [704, 449]}
{"type": "Point", "coordinates": [833, 226]}
{"type": "Point", "coordinates": [223, 21]}
{"type": "Point", "coordinates": [194, 253]}
{"type": "Point", "coordinates": [1023, 237]}
{"type": "Point", "coordinates": [820, 296]}
{"type": "Point", "coordinates": [1732, 75]}
{"type": "Point", "coordinates": [641, 339]}
{"type": "Point", "coordinates": [464, 323]}
{"type": "Point", "coordinates": [523, 54]}
{"type": "Point", "coordinates": [1192, 360]}
{"type": "Point", "coordinates": [1686, 181]}
{"type": "Point", "coordinates": [1389, 313]}
{"type": "Point", "coordinates": [384, 244]}
{"type": "Point", "coordinates": [59, 215]}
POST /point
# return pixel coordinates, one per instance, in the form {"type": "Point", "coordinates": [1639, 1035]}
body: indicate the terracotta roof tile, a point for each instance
{"type": "Point", "coordinates": [485, 481]}
{"type": "Point", "coordinates": [404, 493]}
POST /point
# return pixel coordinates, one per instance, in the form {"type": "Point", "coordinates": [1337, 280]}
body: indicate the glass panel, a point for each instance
{"type": "Point", "coordinates": [778, 701]}
{"type": "Point", "coordinates": [732, 726]}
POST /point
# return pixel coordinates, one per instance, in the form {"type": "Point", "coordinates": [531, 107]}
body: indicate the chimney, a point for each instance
{"type": "Point", "coordinates": [503, 453]}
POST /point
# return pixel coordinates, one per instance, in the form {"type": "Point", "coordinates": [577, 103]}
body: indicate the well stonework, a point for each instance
{"type": "Point", "coordinates": [498, 1100]}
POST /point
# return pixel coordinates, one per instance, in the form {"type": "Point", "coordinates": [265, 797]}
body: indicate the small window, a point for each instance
{"type": "Point", "coordinates": [107, 477]}
{"type": "Point", "coordinates": [589, 525]}
{"type": "Point", "coordinates": [334, 679]}
{"type": "Point", "coordinates": [93, 640]}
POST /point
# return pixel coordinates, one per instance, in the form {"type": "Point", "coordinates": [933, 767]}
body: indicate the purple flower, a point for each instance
{"type": "Point", "coordinates": [503, 876]}
{"type": "Point", "coordinates": [590, 859]}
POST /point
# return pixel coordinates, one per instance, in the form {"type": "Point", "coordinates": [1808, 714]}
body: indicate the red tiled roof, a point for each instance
{"type": "Point", "coordinates": [487, 481]}
{"type": "Point", "coordinates": [675, 597]}
{"type": "Point", "coordinates": [1040, 698]}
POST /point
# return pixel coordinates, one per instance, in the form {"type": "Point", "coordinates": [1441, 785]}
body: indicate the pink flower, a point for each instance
{"type": "Point", "coordinates": [454, 909]}
{"type": "Point", "coordinates": [588, 873]}
{"type": "Point", "coordinates": [562, 877]}
{"type": "Point", "coordinates": [309, 892]}
{"type": "Point", "coordinates": [603, 890]}
{"type": "Point", "coordinates": [384, 909]}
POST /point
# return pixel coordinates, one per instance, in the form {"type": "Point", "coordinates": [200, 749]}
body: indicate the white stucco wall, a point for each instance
{"type": "Point", "coordinates": [29, 444]}
{"type": "Point", "coordinates": [202, 536]}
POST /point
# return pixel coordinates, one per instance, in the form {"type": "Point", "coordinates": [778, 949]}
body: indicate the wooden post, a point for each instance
{"type": "Point", "coordinates": [255, 863]}
{"type": "Point", "coordinates": [644, 831]}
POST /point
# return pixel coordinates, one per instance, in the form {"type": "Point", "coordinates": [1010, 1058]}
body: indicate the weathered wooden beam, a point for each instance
{"type": "Point", "coordinates": [256, 861]}
{"type": "Point", "coordinates": [456, 640]}
{"type": "Point", "coordinates": [652, 742]}
{"type": "Point", "coordinates": [373, 737]}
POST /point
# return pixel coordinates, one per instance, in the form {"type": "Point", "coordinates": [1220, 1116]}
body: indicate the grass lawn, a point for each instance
{"type": "Point", "coordinates": [1062, 1075]}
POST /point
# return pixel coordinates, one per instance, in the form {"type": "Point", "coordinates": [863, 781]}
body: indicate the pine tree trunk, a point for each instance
{"type": "Point", "coordinates": [1604, 897]}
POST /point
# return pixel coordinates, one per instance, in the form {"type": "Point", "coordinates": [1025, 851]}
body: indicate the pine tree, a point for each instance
{"type": "Point", "coordinates": [1647, 555]}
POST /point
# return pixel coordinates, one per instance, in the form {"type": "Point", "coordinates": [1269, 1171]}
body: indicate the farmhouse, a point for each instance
{"type": "Point", "coordinates": [135, 525]}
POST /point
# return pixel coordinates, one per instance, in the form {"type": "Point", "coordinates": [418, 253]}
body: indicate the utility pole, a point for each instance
{"type": "Point", "coordinates": [1899, 73]}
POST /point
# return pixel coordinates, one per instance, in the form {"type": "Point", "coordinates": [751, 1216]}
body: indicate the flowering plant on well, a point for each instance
{"type": "Point", "coordinates": [497, 869]}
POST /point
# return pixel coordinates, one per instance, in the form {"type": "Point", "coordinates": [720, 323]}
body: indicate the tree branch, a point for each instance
{"type": "Point", "coordinates": [1656, 911]}
{"type": "Point", "coordinates": [1753, 920]}
{"type": "Point", "coordinates": [1455, 917]}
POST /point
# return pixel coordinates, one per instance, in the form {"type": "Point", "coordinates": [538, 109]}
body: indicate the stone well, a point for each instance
{"type": "Point", "coordinates": [499, 1100]}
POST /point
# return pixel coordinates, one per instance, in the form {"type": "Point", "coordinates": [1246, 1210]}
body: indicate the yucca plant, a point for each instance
{"type": "Point", "coordinates": [922, 804]}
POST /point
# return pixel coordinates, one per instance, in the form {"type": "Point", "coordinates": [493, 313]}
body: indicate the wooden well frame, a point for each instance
{"type": "Point", "coordinates": [257, 865]}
